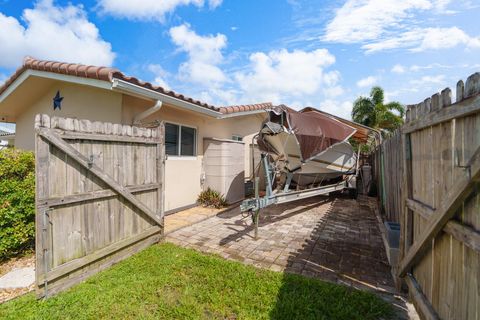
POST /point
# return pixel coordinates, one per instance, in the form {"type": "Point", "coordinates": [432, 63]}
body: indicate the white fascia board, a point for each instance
{"type": "Point", "coordinates": [134, 89]}
{"type": "Point", "coordinates": [242, 113]}
{"type": "Point", "coordinates": [54, 76]}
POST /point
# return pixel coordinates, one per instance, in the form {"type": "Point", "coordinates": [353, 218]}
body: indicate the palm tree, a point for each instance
{"type": "Point", "coordinates": [373, 112]}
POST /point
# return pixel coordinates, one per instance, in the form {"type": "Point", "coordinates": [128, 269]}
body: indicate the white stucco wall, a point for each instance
{"type": "Point", "coordinates": [82, 102]}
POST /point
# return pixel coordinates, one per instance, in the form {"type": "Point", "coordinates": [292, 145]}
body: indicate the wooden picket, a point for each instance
{"type": "Point", "coordinates": [390, 156]}
{"type": "Point", "coordinates": [440, 203]}
{"type": "Point", "coordinates": [99, 197]}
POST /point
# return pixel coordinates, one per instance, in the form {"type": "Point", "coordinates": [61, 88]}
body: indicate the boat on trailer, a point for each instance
{"type": "Point", "coordinates": [313, 147]}
{"type": "Point", "coordinates": [303, 154]}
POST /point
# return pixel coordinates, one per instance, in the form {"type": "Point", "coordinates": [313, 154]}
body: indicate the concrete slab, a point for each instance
{"type": "Point", "coordinates": [18, 278]}
{"type": "Point", "coordinates": [188, 217]}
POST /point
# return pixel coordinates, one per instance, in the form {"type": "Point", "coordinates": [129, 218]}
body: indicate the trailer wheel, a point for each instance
{"type": "Point", "coordinates": [353, 192]}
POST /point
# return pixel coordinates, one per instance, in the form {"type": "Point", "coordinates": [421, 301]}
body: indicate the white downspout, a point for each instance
{"type": "Point", "coordinates": [145, 114]}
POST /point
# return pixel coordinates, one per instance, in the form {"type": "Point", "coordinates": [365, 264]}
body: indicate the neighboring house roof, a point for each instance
{"type": "Point", "coordinates": [246, 107]}
{"type": "Point", "coordinates": [6, 134]}
{"type": "Point", "coordinates": [110, 74]}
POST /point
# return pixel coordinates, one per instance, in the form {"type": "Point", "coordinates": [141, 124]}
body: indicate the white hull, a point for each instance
{"type": "Point", "coordinates": [335, 161]}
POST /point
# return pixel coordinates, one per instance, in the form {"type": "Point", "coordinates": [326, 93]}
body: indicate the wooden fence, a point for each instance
{"type": "Point", "coordinates": [389, 157]}
{"type": "Point", "coordinates": [99, 197]}
{"type": "Point", "coordinates": [440, 201]}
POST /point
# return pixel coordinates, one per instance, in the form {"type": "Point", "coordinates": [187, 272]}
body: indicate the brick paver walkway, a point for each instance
{"type": "Point", "coordinates": [335, 239]}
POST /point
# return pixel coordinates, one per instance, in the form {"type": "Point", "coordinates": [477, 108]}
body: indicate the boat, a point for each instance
{"type": "Point", "coordinates": [309, 147]}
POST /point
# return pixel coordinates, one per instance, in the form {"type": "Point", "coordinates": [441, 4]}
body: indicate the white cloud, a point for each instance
{"type": "Point", "coordinates": [149, 9]}
{"type": "Point", "coordinates": [283, 75]}
{"type": "Point", "coordinates": [398, 68]}
{"type": "Point", "coordinates": [341, 109]}
{"type": "Point", "coordinates": [441, 6]}
{"type": "Point", "coordinates": [204, 55]}
{"type": "Point", "coordinates": [333, 92]}
{"type": "Point", "coordinates": [439, 38]}
{"type": "Point", "coordinates": [417, 68]}
{"type": "Point", "coordinates": [160, 75]}
{"type": "Point", "coordinates": [429, 80]}
{"type": "Point", "coordinates": [215, 3]}
{"type": "Point", "coordinates": [388, 95]}
{"type": "Point", "coordinates": [55, 33]}
{"type": "Point", "coordinates": [390, 24]}
{"type": "Point", "coordinates": [361, 20]}
{"type": "Point", "coordinates": [297, 78]}
{"type": "Point", "coordinates": [367, 82]}
{"type": "Point", "coordinates": [422, 39]}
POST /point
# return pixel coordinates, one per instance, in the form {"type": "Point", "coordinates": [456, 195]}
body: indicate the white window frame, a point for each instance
{"type": "Point", "coordinates": [195, 143]}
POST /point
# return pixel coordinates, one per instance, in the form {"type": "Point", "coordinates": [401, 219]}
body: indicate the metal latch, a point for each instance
{"type": "Point", "coordinates": [90, 160]}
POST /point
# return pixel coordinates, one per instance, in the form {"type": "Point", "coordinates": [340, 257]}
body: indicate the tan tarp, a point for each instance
{"type": "Point", "coordinates": [314, 132]}
{"type": "Point", "coordinates": [361, 135]}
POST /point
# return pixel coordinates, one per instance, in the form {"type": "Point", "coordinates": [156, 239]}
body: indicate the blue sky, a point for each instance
{"type": "Point", "coordinates": [300, 53]}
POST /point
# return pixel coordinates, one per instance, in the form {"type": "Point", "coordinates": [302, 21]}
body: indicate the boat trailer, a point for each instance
{"type": "Point", "coordinates": [253, 205]}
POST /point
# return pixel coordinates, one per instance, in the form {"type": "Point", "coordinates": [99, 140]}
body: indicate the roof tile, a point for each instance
{"type": "Point", "coordinates": [108, 74]}
{"type": "Point", "coordinates": [247, 107]}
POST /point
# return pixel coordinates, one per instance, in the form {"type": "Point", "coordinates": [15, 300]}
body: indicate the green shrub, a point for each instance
{"type": "Point", "coordinates": [212, 198]}
{"type": "Point", "coordinates": [17, 202]}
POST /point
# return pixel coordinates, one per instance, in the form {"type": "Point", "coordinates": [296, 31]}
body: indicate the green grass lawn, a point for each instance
{"type": "Point", "coordinates": [169, 282]}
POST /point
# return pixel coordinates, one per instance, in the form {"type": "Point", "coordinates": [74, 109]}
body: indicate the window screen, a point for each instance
{"type": "Point", "coordinates": [180, 140]}
{"type": "Point", "coordinates": [171, 139]}
{"type": "Point", "coordinates": [188, 141]}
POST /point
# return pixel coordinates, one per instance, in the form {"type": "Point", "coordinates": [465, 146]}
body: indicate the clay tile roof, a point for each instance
{"type": "Point", "coordinates": [5, 133]}
{"type": "Point", "coordinates": [108, 74]}
{"type": "Point", "coordinates": [245, 107]}
{"type": "Point", "coordinates": [73, 69]}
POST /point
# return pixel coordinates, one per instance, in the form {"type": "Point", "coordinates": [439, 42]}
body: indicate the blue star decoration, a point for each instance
{"type": "Point", "coordinates": [57, 101]}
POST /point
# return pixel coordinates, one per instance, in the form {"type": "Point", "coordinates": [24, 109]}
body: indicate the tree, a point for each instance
{"type": "Point", "coordinates": [373, 112]}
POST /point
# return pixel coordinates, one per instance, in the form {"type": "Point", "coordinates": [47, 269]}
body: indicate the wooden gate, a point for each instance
{"type": "Point", "coordinates": [99, 197]}
{"type": "Point", "coordinates": [441, 212]}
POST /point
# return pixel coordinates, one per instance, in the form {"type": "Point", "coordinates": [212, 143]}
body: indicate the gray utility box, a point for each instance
{"type": "Point", "coordinates": [393, 241]}
{"type": "Point", "coordinates": [224, 167]}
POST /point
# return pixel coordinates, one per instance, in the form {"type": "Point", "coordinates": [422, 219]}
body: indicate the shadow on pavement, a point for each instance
{"type": "Point", "coordinates": [346, 248]}
{"type": "Point", "coordinates": [268, 216]}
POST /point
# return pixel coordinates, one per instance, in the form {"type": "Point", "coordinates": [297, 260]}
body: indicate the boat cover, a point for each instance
{"type": "Point", "coordinates": [315, 132]}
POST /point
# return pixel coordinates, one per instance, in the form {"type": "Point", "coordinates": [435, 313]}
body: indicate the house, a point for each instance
{"type": "Point", "coordinates": [106, 94]}
{"type": "Point", "coordinates": [7, 137]}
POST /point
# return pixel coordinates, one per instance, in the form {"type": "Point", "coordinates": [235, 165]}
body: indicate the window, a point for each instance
{"type": "Point", "coordinates": [171, 139]}
{"type": "Point", "coordinates": [237, 137]}
{"type": "Point", "coordinates": [180, 140]}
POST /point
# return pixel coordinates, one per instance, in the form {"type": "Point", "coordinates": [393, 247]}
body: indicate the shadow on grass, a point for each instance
{"type": "Point", "coordinates": [305, 298]}
{"type": "Point", "coordinates": [345, 247]}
